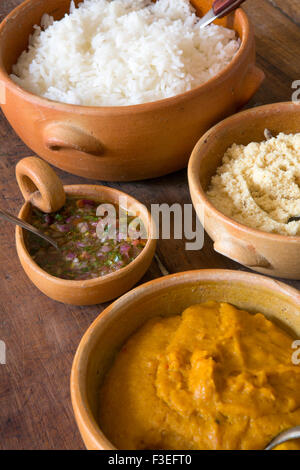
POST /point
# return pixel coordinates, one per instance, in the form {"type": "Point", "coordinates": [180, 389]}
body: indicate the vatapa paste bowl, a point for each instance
{"type": "Point", "coordinates": [267, 253]}
{"type": "Point", "coordinates": [165, 296]}
{"type": "Point", "coordinates": [129, 142]}
{"type": "Point", "coordinates": [41, 187]}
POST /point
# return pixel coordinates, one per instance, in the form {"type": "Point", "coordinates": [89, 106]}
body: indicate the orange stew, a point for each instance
{"type": "Point", "coordinates": [215, 377]}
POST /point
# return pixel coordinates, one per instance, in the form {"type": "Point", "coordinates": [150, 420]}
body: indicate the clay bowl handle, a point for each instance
{"type": "Point", "coordinates": [59, 136]}
{"type": "Point", "coordinates": [241, 252]}
{"type": "Point", "coordinates": [224, 7]}
{"type": "Point", "coordinates": [40, 185]}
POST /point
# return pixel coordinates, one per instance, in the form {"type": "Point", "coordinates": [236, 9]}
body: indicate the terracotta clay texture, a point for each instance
{"type": "Point", "coordinates": [121, 143]}
{"type": "Point", "coordinates": [87, 292]}
{"type": "Point", "coordinates": [166, 296]}
{"type": "Point", "coordinates": [275, 255]}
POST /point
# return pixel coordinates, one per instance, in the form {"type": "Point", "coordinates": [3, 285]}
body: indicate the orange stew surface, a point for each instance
{"type": "Point", "coordinates": [215, 377]}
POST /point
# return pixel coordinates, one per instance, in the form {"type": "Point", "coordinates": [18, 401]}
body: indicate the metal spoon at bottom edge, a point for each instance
{"type": "Point", "coordinates": [15, 220]}
{"type": "Point", "coordinates": [288, 435]}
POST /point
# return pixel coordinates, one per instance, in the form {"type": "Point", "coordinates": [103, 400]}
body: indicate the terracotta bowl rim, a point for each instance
{"type": "Point", "coordinates": [197, 189]}
{"type": "Point", "coordinates": [84, 416]}
{"type": "Point", "coordinates": [247, 28]}
{"type": "Point", "coordinates": [121, 273]}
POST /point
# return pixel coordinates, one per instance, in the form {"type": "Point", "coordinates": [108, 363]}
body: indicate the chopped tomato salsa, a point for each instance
{"type": "Point", "coordinates": [82, 254]}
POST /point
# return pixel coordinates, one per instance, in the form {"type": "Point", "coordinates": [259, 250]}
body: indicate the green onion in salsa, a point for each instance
{"type": "Point", "coordinates": [82, 255]}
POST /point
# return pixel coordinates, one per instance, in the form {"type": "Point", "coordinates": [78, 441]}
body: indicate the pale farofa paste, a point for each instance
{"type": "Point", "coordinates": [258, 185]}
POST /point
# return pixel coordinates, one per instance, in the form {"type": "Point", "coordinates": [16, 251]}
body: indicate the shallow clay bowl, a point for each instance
{"type": "Point", "coordinates": [166, 296]}
{"type": "Point", "coordinates": [40, 186]}
{"type": "Point", "coordinates": [128, 142]}
{"type": "Point", "coordinates": [275, 255]}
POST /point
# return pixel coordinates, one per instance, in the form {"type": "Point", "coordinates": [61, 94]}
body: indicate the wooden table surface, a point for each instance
{"type": "Point", "coordinates": [41, 335]}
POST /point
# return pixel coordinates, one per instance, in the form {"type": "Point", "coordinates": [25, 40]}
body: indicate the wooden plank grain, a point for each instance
{"type": "Point", "coordinates": [7, 6]}
{"type": "Point", "coordinates": [42, 335]}
{"type": "Point", "coordinates": [290, 8]}
{"type": "Point", "coordinates": [277, 45]}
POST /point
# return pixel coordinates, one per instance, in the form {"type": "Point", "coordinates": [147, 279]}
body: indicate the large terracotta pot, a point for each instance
{"type": "Point", "coordinates": [166, 296]}
{"type": "Point", "coordinates": [267, 253]}
{"type": "Point", "coordinates": [121, 143]}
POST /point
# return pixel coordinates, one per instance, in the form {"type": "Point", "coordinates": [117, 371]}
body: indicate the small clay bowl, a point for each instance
{"type": "Point", "coordinates": [40, 186]}
{"type": "Point", "coordinates": [166, 296]}
{"type": "Point", "coordinates": [121, 143]}
{"type": "Point", "coordinates": [267, 253]}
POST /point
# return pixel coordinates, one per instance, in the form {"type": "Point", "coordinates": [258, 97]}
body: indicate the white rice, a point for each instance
{"type": "Point", "coordinates": [122, 52]}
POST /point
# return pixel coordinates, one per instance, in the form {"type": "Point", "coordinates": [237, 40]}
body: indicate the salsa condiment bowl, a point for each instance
{"type": "Point", "coordinates": [268, 253]}
{"type": "Point", "coordinates": [77, 292]}
{"type": "Point", "coordinates": [129, 142]}
{"type": "Point", "coordinates": [166, 296]}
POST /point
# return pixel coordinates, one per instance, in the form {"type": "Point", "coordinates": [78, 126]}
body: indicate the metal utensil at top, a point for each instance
{"type": "Point", "coordinates": [219, 9]}
{"type": "Point", "coordinates": [15, 220]}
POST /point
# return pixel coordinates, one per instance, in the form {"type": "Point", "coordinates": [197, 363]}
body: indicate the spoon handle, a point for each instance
{"type": "Point", "coordinates": [288, 435]}
{"type": "Point", "coordinates": [224, 7]}
{"type": "Point", "coordinates": [15, 220]}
